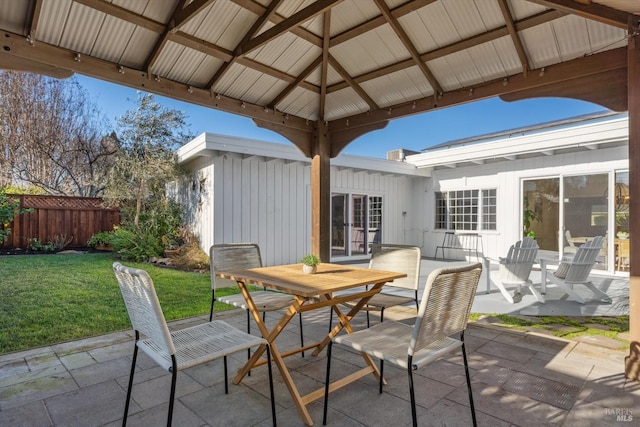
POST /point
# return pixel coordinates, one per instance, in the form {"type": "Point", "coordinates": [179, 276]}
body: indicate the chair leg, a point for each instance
{"type": "Point", "coordinates": [133, 369]}
{"type": "Point", "coordinates": [367, 319]}
{"type": "Point", "coordinates": [381, 375]}
{"type": "Point", "coordinates": [249, 332]}
{"type": "Point", "coordinates": [226, 383]}
{"type": "Point", "coordinates": [412, 393]}
{"type": "Point", "coordinates": [326, 384]}
{"type": "Point", "coordinates": [330, 318]}
{"type": "Point", "coordinates": [466, 372]}
{"type": "Point", "coordinates": [213, 300]}
{"type": "Point", "coordinates": [381, 314]}
{"type": "Point", "coordinates": [301, 334]}
{"type": "Point", "coordinates": [172, 397]}
{"type": "Point", "coordinates": [273, 401]}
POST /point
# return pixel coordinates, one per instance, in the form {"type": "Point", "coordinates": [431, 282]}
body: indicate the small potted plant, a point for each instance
{"type": "Point", "coordinates": [310, 263]}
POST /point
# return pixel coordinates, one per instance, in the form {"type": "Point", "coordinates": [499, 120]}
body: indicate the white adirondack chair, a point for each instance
{"type": "Point", "coordinates": [515, 269]}
{"type": "Point", "coordinates": [575, 271]}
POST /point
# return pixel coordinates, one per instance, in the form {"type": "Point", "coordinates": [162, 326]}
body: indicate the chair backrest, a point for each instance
{"type": "Point", "coordinates": [230, 256]}
{"type": "Point", "coordinates": [578, 268]}
{"type": "Point", "coordinates": [399, 258]}
{"type": "Point", "coordinates": [143, 307]}
{"type": "Point", "coordinates": [516, 267]}
{"type": "Point", "coordinates": [445, 305]}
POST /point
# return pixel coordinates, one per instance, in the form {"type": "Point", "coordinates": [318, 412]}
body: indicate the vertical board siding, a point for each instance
{"type": "Point", "coordinates": [267, 201]}
{"type": "Point", "coordinates": [506, 177]}
{"type": "Point", "coordinates": [51, 216]}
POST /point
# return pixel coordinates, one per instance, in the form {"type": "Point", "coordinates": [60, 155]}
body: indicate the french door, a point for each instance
{"type": "Point", "coordinates": [356, 223]}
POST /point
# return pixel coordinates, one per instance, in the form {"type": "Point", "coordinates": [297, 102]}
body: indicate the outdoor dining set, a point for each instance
{"type": "Point", "coordinates": [392, 278]}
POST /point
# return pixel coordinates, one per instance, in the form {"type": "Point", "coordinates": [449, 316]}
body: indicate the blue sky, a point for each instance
{"type": "Point", "coordinates": [414, 133]}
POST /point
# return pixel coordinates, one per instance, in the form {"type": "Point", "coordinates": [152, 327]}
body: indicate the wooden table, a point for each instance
{"type": "Point", "coordinates": [311, 292]}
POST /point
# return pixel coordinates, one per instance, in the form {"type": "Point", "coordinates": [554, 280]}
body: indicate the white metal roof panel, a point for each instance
{"type": "Point", "coordinates": [343, 103]}
{"type": "Point", "coordinates": [401, 86]}
{"type": "Point", "coordinates": [436, 18]}
{"type": "Point", "coordinates": [13, 15]}
{"type": "Point", "coordinates": [301, 103]}
{"type": "Point", "coordinates": [418, 32]}
{"type": "Point", "coordinates": [186, 65]}
{"type": "Point", "coordinates": [81, 29]}
{"type": "Point", "coordinates": [486, 60]}
{"type": "Point", "coordinates": [464, 17]}
{"type": "Point", "coordinates": [230, 15]}
{"type": "Point", "coordinates": [52, 21]}
{"type": "Point", "coordinates": [112, 39]}
{"type": "Point", "coordinates": [521, 9]}
{"type": "Point", "coordinates": [141, 42]}
{"type": "Point", "coordinates": [508, 55]}
{"type": "Point", "coordinates": [462, 66]}
{"type": "Point", "coordinates": [490, 14]}
{"type": "Point", "coordinates": [542, 45]}
{"type": "Point", "coordinates": [167, 59]}
{"type": "Point", "coordinates": [287, 53]}
{"type": "Point", "coordinates": [605, 37]}
{"type": "Point", "coordinates": [349, 14]}
{"type": "Point", "coordinates": [203, 72]}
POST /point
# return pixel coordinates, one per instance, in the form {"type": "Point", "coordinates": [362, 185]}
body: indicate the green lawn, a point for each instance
{"type": "Point", "coordinates": [48, 299]}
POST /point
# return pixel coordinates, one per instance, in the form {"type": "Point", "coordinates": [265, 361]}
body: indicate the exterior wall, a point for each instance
{"type": "Point", "coordinates": [233, 197]}
{"type": "Point", "coordinates": [506, 177]}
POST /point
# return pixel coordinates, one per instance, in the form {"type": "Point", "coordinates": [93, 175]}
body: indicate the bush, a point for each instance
{"type": "Point", "coordinates": [102, 238]}
{"type": "Point", "coordinates": [8, 210]}
{"type": "Point", "coordinates": [135, 244]}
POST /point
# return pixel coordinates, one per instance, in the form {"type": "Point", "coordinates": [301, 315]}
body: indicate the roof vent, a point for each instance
{"type": "Point", "coordinates": [400, 154]}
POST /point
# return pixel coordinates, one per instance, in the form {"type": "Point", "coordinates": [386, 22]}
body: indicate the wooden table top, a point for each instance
{"type": "Point", "coordinates": [329, 278]}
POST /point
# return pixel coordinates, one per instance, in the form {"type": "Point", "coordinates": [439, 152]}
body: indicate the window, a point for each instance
{"type": "Point", "coordinates": [466, 210]}
{"type": "Point", "coordinates": [375, 212]}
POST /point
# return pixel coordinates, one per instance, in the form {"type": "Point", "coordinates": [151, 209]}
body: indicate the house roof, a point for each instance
{"type": "Point", "coordinates": [348, 63]}
{"type": "Point", "coordinates": [584, 133]}
{"type": "Point", "coordinates": [210, 144]}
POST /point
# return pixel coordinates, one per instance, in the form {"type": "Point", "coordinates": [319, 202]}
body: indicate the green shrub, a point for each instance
{"type": "Point", "coordinates": [8, 210]}
{"type": "Point", "coordinates": [34, 244]}
{"type": "Point", "coordinates": [135, 244]}
{"type": "Point", "coordinates": [102, 238]}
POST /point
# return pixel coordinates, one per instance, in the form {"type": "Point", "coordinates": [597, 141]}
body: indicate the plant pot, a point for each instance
{"type": "Point", "coordinates": [309, 269]}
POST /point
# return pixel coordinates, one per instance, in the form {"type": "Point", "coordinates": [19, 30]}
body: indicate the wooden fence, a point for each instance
{"type": "Point", "coordinates": [72, 217]}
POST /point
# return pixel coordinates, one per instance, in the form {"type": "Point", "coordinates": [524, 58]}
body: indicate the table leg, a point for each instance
{"type": "Point", "coordinates": [276, 356]}
{"type": "Point", "coordinates": [345, 321]}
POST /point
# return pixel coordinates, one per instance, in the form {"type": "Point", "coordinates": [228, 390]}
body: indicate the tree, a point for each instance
{"type": "Point", "coordinates": [148, 136]}
{"type": "Point", "coordinates": [52, 136]}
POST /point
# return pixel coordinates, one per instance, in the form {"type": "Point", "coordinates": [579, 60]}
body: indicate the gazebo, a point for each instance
{"type": "Point", "coordinates": [324, 72]}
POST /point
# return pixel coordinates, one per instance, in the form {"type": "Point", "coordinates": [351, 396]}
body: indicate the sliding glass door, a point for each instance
{"type": "Point", "coordinates": [563, 213]}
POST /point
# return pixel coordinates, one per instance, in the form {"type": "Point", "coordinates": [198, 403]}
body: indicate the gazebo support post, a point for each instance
{"type": "Point", "coordinates": [321, 192]}
{"type": "Point", "coordinates": [632, 361]}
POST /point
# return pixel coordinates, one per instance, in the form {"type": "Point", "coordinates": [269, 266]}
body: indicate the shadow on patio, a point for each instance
{"type": "Point", "coordinates": [519, 379]}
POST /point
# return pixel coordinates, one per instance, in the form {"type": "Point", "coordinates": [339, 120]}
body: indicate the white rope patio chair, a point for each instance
{"type": "Point", "coordinates": [515, 269]}
{"type": "Point", "coordinates": [575, 270]}
{"type": "Point", "coordinates": [181, 349]}
{"type": "Point", "coordinates": [399, 258]}
{"type": "Point", "coordinates": [233, 256]}
{"type": "Point", "coordinates": [438, 330]}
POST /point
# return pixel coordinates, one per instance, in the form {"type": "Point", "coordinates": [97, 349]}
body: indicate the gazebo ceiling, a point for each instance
{"type": "Point", "coordinates": [349, 63]}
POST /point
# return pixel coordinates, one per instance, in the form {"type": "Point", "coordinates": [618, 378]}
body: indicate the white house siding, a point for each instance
{"type": "Point", "coordinates": [506, 176]}
{"type": "Point", "coordinates": [267, 200]}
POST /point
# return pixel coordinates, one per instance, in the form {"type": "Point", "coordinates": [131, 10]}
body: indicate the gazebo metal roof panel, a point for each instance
{"type": "Point", "coordinates": [377, 49]}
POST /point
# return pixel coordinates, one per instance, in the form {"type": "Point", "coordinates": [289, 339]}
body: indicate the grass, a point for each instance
{"type": "Point", "coordinates": [564, 326]}
{"type": "Point", "coordinates": [48, 299]}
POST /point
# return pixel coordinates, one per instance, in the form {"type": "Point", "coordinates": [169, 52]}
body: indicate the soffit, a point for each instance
{"type": "Point", "coordinates": [375, 60]}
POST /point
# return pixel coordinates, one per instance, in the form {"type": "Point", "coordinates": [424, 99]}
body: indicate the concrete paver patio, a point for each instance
{"type": "Point", "coordinates": [518, 379]}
